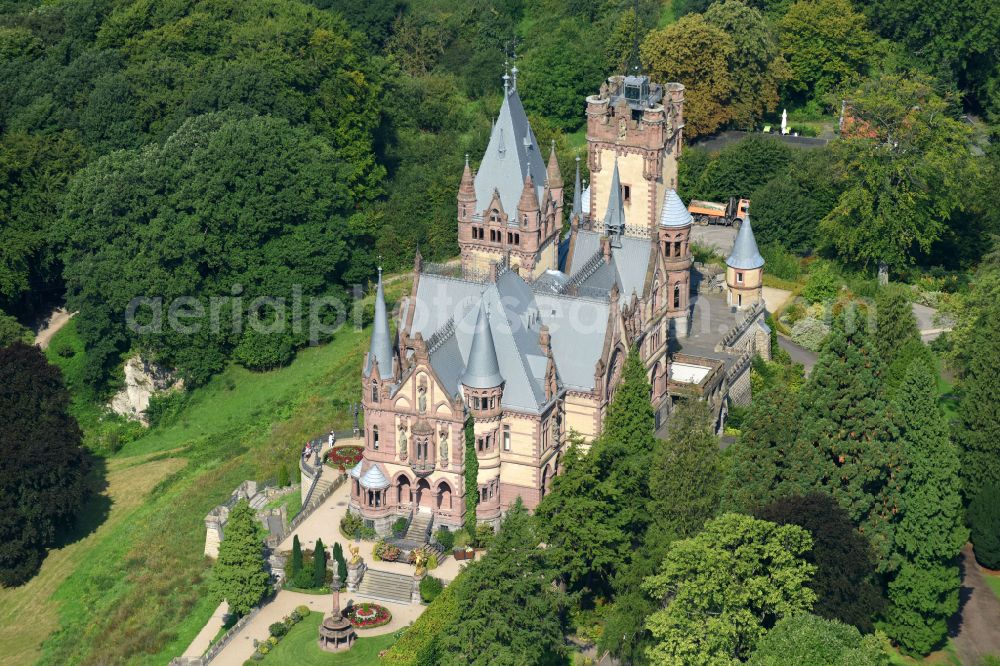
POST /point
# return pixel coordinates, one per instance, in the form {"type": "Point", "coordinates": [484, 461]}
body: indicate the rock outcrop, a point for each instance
{"type": "Point", "coordinates": [142, 380]}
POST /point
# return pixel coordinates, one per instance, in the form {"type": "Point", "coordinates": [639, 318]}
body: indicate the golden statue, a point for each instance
{"type": "Point", "coordinates": [355, 554]}
{"type": "Point", "coordinates": [420, 559]}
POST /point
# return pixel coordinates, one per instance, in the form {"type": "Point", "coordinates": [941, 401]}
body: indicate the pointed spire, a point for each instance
{"type": "Point", "coordinates": [553, 173]}
{"type": "Point", "coordinates": [513, 78]}
{"type": "Point", "coordinates": [745, 254]}
{"type": "Point", "coordinates": [614, 218]}
{"type": "Point", "coordinates": [577, 193]}
{"type": "Point", "coordinates": [506, 83]}
{"type": "Point", "coordinates": [381, 345]}
{"type": "Point", "coordinates": [483, 370]}
{"type": "Point", "coordinates": [529, 198]}
{"type": "Point", "coordinates": [467, 190]}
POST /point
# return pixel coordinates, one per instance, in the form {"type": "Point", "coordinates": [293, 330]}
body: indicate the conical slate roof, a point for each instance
{"type": "Point", "coordinates": [577, 193]}
{"type": "Point", "coordinates": [381, 345]}
{"type": "Point", "coordinates": [552, 174]}
{"type": "Point", "coordinates": [675, 213]}
{"type": "Point", "coordinates": [511, 153]}
{"type": "Point", "coordinates": [614, 218]}
{"type": "Point", "coordinates": [745, 254]}
{"type": "Point", "coordinates": [482, 371]}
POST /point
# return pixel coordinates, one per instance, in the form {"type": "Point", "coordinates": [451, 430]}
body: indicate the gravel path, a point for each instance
{"type": "Point", "coordinates": [975, 629]}
{"type": "Point", "coordinates": [51, 326]}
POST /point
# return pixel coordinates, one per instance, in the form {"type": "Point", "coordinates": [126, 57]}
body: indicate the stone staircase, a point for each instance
{"type": "Point", "coordinates": [325, 481]}
{"type": "Point", "coordinates": [386, 586]}
{"type": "Point", "coordinates": [418, 527]}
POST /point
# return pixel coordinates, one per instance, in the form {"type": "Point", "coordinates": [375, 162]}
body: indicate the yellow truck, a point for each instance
{"type": "Point", "coordinates": [710, 212]}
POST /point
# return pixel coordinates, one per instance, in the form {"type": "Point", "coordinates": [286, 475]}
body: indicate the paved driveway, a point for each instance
{"type": "Point", "coordinates": [975, 629]}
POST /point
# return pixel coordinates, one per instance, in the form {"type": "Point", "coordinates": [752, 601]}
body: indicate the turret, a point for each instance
{"type": "Point", "coordinates": [674, 235]}
{"type": "Point", "coordinates": [745, 269]}
{"type": "Point", "coordinates": [380, 356]}
{"type": "Point", "coordinates": [466, 194]}
{"type": "Point", "coordinates": [527, 206]}
{"type": "Point", "coordinates": [553, 177]}
{"type": "Point", "coordinates": [482, 382]}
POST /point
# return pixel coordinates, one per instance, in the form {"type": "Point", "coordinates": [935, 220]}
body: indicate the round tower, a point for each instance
{"type": "Point", "coordinates": [674, 237]}
{"type": "Point", "coordinates": [482, 387]}
{"type": "Point", "coordinates": [745, 270]}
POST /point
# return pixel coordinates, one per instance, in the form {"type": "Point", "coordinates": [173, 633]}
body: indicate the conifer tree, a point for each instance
{"type": "Point", "coordinates": [319, 564]}
{"type": "Point", "coordinates": [283, 476]}
{"type": "Point", "coordinates": [765, 463]}
{"type": "Point", "coordinates": [239, 576]}
{"type": "Point", "coordinates": [511, 612]}
{"type": "Point", "coordinates": [984, 519]}
{"type": "Point", "coordinates": [338, 556]}
{"type": "Point", "coordinates": [624, 451]}
{"type": "Point", "coordinates": [684, 478]}
{"type": "Point", "coordinates": [894, 322]}
{"type": "Point", "coordinates": [296, 565]}
{"type": "Point", "coordinates": [930, 531]}
{"type": "Point", "coordinates": [845, 442]}
{"type": "Point", "coordinates": [577, 520]}
{"type": "Point", "coordinates": [979, 407]}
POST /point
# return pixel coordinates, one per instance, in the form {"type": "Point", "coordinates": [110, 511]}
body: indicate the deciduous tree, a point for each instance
{"type": "Point", "coordinates": [845, 584]}
{"type": "Point", "coordinates": [808, 640]}
{"type": "Point", "coordinates": [43, 469]}
{"type": "Point", "coordinates": [903, 163]}
{"type": "Point", "coordinates": [694, 52]}
{"type": "Point", "coordinates": [724, 587]}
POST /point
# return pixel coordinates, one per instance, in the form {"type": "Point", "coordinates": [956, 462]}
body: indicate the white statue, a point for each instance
{"type": "Point", "coordinates": [784, 121]}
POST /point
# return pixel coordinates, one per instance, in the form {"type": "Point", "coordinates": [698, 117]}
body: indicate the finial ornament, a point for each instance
{"type": "Point", "coordinates": [467, 159]}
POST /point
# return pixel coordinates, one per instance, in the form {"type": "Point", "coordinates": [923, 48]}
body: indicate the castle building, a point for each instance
{"type": "Point", "coordinates": [528, 342]}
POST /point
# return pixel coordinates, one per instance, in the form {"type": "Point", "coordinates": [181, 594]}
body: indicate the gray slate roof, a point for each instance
{"type": "Point", "coordinates": [576, 325]}
{"type": "Point", "coordinates": [628, 265]}
{"type": "Point", "coordinates": [745, 254]}
{"type": "Point", "coordinates": [512, 149]}
{"type": "Point", "coordinates": [373, 479]}
{"type": "Point", "coordinates": [577, 194]}
{"type": "Point", "coordinates": [381, 344]}
{"type": "Point", "coordinates": [675, 213]}
{"type": "Point", "coordinates": [482, 369]}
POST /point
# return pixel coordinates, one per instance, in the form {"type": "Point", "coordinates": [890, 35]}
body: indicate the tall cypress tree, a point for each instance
{"type": "Point", "coordinates": [296, 565]}
{"type": "Point", "coordinates": [319, 564]}
{"type": "Point", "coordinates": [895, 324]}
{"type": "Point", "coordinates": [846, 445]}
{"type": "Point", "coordinates": [978, 425]}
{"type": "Point", "coordinates": [238, 575]}
{"type": "Point", "coordinates": [930, 530]}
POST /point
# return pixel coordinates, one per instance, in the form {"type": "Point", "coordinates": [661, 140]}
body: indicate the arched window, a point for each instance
{"type": "Point", "coordinates": [677, 296]}
{"type": "Point", "coordinates": [374, 392]}
{"type": "Point", "coordinates": [375, 437]}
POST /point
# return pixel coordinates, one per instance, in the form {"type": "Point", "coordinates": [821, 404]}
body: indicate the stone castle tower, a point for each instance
{"type": "Point", "coordinates": [511, 208]}
{"type": "Point", "coordinates": [637, 125]}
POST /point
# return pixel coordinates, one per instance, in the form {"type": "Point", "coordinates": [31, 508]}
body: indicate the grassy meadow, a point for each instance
{"type": "Point", "coordinates": [130, 587]}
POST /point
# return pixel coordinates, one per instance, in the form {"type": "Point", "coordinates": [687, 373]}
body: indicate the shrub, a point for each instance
{"type": "Point", "coordinates": [399, 526]}
{"type": "Point", "coordinates": [810, 333]}
{"type": "Point", "coordinates": [263, 649]}
{"type": "Point", "coordinates": [430, 588]}
{"type": "Point", "coordinates": [278, 629]}
{"type": "Point", "coordinates": [446, 538]}
{"type": "Point", "coordinates": [303, 610]}
{"type": "Point", "coordinates": [263, 351]}
{"type": "Point", "coordinates": [295, 616]}
{"type": "Point", "coordinates": [462, 539]}
{"type": "Point", "coordinates": [484, 535]}
{"type": "Point", "coordinates": [432, 561]}
{"type": "Point", "coordinates": [823, 283]}
{"type": "Point", "coordinates": [984, 520]}
{"type": "Point", "coordinates": [386, 552]}
{"type": "Point", "coordinates": [351, 524]}
{"type": "Point", "coordinates": [368, 533]}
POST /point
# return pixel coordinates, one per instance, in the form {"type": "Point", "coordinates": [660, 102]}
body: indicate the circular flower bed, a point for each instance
{"type": "Point", "coordinates": [367, 615]}
{"type": "Point", "coordinates": [344, 456]}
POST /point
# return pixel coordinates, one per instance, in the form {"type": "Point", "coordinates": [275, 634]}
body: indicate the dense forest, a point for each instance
{"type": "Point", "coordinates": [254, 148]}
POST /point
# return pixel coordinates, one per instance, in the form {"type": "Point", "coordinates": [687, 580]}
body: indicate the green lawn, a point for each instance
{"type": "Point", "coordinates": [138, 594]}
{"type": "Point", "coordinates": [292, 503]}
{"type": "Point", "coordinates": [993, 580]}
{"type": "Point", "coordinates": [300, 648]}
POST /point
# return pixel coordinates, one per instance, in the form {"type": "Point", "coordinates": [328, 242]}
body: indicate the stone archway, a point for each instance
{"type": "Point", "coordinates": [424, 498]}
{"type": "Point", "coordinates": [404, 491]}
{"type": "Point", "coordinates": [444, 495]}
